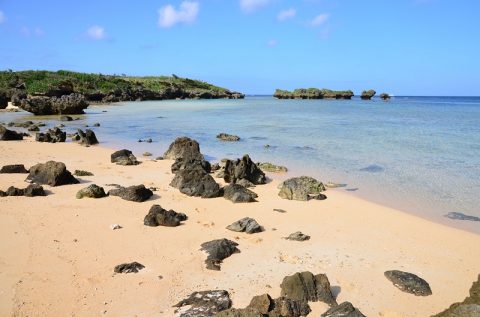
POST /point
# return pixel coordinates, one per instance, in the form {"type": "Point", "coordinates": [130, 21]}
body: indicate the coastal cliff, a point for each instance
{"type": "Point", "coordinates": [313, 93]}
{"type": "Point", "coordinates": [39, 91]}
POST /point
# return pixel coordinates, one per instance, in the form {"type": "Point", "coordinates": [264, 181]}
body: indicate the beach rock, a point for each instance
{"type": "Point", "coordinates": [65, 118]}
{"type": "Point", "coordinates": [409, 283]}
{"type": "Point", "coordinates": [138, 193]}
{"type": "Point", "coordinates": [190, 163]}
{"type": "Point", "coordinates": [51, 173]}
{"type": "Point", "coordinates": [300, 188]}
{"type": "Point", "coordinates": [245, 183]}
{"type": "Point", "coordinates": [96, 124]}
{"type": "Point", "coordinates": [33, 128]}
{"type": "Point", "coordinates": [345, 309]}
{"type": "Point", "coordinates": [457, 216]}
{"type": "Point", "coordinates": [238, 194]}
{"type": "Point", "coordinates": [262, 304]}
{"type": "Point", "coordinates": [245, 312]}
{"type": "Point", "coordinates": [308, 287]}
{"type": "Point", "coordinates": [470, 307]}
{"type": "Point", "coordinates": [52, 136]}
{"type": "Point", "coordinates": [34, 190]}
{"type": "Point", "coordinates": [82, 173]}
{"type": "Point", "coordinates": [183, 147]}
{"type": "Point", "coordinates": [9, 135]}
{"type": "Point", "coordinates": [157, 216]}
{"type": "Point", "coordinates": [13, 169]}
{"type": "Point", "coordinates": [373, 168]}
{"type": "Point", "coordinates": [287, 307]}
{"type": "Point", "coordinates": [132, 267]}
{"type": "Point", "coordinates": [14, 191]}
{"type": "Point", "coordinates": [85, 138]}
{"type": "Point", "coordinates": [243, 169]}
{"type": "Point", "coordinates": [269, 167]}
{"type": "Point", "coordinates": [43, 105]}
{"type": "Point", "coordinates": [92, 191]}
{"type": "Point", "coordinates": [124, 157]}
{"type": "Point", "coordinates": [228, 137]}
{"type": "Point", "coordinates": [368, 94]}
{"type": "Point", "coordinates": [115, 226]}
{"type": "Point", "coordinates": [205, 304]}
{"type": "Point", "coordinates": [385, 96]}
{"type": "Point", "coordinates": [298, 236]}
{"type": "Point", "coordinates": [196, 182]}
{"type": "Point", "coordinates": [247, 225]}
{"type": "Point", "coordinates": [3, 99]}
{"type": "Point", "coordinates": [218, 250]}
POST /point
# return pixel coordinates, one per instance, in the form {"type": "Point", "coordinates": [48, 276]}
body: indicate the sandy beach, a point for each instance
{"type": "Point", "coordinates": [58, 253]}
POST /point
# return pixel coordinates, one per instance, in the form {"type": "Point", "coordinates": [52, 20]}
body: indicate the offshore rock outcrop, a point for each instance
{"type": "Point", "coordinates": [313, 93]}
{"type": "Point", "coordinates": [45, 105]}
{"type": "Point", "coordinates": [368, 94]}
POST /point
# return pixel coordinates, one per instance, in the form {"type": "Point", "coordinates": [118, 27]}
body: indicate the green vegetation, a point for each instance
{"type": "Point", "coordinates": [313, 93]}
{"type": "Point", "coordinates": [42, 82]}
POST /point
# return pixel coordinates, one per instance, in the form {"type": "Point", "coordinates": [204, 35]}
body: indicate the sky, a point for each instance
{"type": "Point", "coordinates": [404, 47]}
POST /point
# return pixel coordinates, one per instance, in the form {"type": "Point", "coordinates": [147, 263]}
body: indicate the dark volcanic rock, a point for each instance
{"type": "Point", "coordinates": [298, 236]}
{"type": "Point", "coordinates": [368, 94]}
{"type": "Point", "coordinates": [345, 309]}
{"type": "Point", "coordinates": [217, 251]}
{"type": "Point", "coordinates": [43, 105]}
{"type": "Point", "coordinates": [15, 168]}
{"type": "Point", "coordinates": [51, 173]}
{"type": "Point", "coordinates": [243, 169]}
{"type": "Point", "coordinates": [66, 118]}
{"type": "Point", "coordinates": [124, 157]}
{"type": "Point", "coordinates": [238, 194]}
{"type": "Point", "coordinates": [82, 173]}
{"type": "Point", "coordinates": [470, 307]}
{"type": "Point", "coordinates": [409, 283]}
{"type": "Point", "coordinates": [137, 193]}
{"type": "Point", "coordinates": [9, 135]}
{"type": "Point", "coordinates": [3, 99]}
{"type": "Point", "coordinates": [269, 167]}
{"type": "Point", "coordinates": [459, 216]}
{"type": "Point", "coordinates": [183, 147]}
{"type": "Point", "coordinates": [247, 225]}
{"type": "Point", "coordinates": [85, 138]}
{"type": "Point", "coordinates": [300, 188]}
{"type": "Point", "coordinates": [196, 182]}
{"type": "Point", "coordinates": [52, 136]}
{"type": "Point", "coordinates": [287, 307]}
{"type": "Point", "coordinates": [245, 312]}
{"type": "Point", "coordinates": [191, 163]}
{"type": "Point", "coordinates": [308, 287]}
{"type": "Point", "coordinates": [132, 267]}
{"type": "Point", "coordinates": [228, 137]}
{"type": "Point", "coordinates": [92, 191]}
{"type": "Point", "coordinates": [385, 96]}
{"type": "Point", "coordinates": [205, 304]}
{"type": "Point", "coordinates": [157, 216]}
{"type": "Point", "coordinates": [32, 190]}
{"type": "Point", "coordinates": [14, 191]}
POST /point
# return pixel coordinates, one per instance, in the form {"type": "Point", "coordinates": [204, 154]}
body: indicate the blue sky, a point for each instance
{"type": "Point", "coordinates": [405, 47]}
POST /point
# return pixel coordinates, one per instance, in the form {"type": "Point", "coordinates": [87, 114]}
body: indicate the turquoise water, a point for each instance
{"type": "Point", "coordinates": [418, 154]}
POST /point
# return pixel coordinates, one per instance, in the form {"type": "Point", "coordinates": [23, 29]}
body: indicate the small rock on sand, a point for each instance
{"type": "Point", "coordinates": [298, 236]}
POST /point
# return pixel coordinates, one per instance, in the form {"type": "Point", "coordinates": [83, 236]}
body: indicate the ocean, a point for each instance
{"type": "Point", "coordinates": [417, 154]}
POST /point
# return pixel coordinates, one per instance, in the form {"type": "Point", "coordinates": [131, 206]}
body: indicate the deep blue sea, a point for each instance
{"type": "Point", "coordinates": [418, 154]}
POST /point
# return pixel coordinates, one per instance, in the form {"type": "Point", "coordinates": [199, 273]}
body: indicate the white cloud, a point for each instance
{"type": "Point", "coordinates": [252, 5]}
{"type": "Point", "coordinates": [38, 32]}
{"type": "Point", "coordinates": [320, 19]}
{"type": "Point", "coordinates": [26, 31]}
{"type": "Point", "coordinates": [272, 43]}
{"type": "Point", "coordinates": [2, 17]}
{"type": "Point", "coordinates": [187, 13]}
{"type": "Point", "coordinates": [96, 32]}
{"type": "Point", "coordinates": [286, 14]}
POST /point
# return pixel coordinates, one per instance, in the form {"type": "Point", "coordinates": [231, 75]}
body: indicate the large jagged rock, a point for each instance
{"type": "Point", "coordinates": [13, 169]}
{"type": "Point", "coordinates": [138, 193]}
{"type": "Point", "coordinates": [86, 138]}
{"type": "Point", "coordinates": [368, 94]}
{"type": "Point", "coordinates": [308, 287]}
{"type": "Point", "coordinates": [183, 147]}
{"type": "Point", "coordinates": [204, 304]}
{"type": "Point", "coordinates": [123, 157]}
{"type": "Point", "coordinates": [44, 105]}
{"type": "Point", "coordinates": [247, 225]}
{"type": "Point", "coordinates": [345, 309]}
{"type": "Point", "coordinates": [54, 135]}
{"type": "Point", "coordinates": [243, 168]}
{"type": "Point", "coordinates": [51, 173]}
{"type": "Point", "coordinates": [191, 163]}
{"type": "Point", "coordinates": [218, 250]}
{"type": "Point", "coordinates": [408, 283]}
{"type": "Point", "coordinates": [301, 188]}
{"type": "Point", "coordinates": [92, 191]}
{"type": "Point", "coordinates": [238, 194]}
{"type": "Point", "coordinates": [9, 135]}
{"type": "Point", "coordinates": [157, 216]}
{"type": "Point", "coordinates": [196, 182]}
{"type": "Point", "coordinates": [470, 307]}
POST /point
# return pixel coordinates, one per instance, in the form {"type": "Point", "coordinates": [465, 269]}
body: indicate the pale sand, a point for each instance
{"type": "Point", "coordinates": [57, 253]}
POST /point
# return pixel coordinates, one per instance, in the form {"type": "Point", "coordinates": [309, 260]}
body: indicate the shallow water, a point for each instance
{"type": "Point", "coordinates": [418, 154]}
